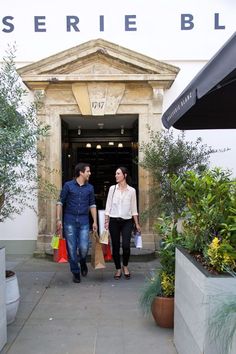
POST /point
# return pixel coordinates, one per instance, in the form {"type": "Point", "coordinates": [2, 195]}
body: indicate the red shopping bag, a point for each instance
{"type": "Point", "coordinates": [60, 255]}
{"type": "Point", "coordinates": [107, 251]}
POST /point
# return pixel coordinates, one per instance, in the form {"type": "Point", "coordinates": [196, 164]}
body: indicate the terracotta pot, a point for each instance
{"type": "Point", "coordinates": [163, 311]}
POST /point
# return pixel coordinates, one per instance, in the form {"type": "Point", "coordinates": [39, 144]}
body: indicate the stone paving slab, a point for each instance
{"type": "Point", "coordinates": [98, 316]}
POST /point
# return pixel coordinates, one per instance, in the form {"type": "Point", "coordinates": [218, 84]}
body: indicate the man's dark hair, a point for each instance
{"type": "Point", "coordinates": [80, 167]}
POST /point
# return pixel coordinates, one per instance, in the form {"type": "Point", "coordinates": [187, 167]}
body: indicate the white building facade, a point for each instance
{"type": "Point", "coordinates": [106, 71]}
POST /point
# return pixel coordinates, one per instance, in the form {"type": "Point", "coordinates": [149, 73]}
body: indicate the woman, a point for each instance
{"type": "Point", "coordinates": [121, 210]}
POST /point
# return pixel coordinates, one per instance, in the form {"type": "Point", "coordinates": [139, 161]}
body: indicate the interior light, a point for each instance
{"type": "Point", "coordinates": [120, 145]}
{"type": "Point", "coordinates": [111, 143]}
{"type": "Point", "coordinates": [98, 146]}
{"type": "Point", "coordinates": [88, 145]}
{"type": "Point", "coordinates": [122, 130]}
{"type": "Point", "coordinates": [79, 130]}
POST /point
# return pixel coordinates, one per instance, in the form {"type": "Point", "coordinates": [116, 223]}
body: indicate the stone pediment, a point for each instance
{"type": "Point", "coordinates": [98, 60]}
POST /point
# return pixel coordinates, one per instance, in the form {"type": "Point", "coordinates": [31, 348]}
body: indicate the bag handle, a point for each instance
{"type": "Point", "coordinates": [95, 235]}
{"type": "Point", "coordinates": [59, 233]}
{"type": "Point", "coordinates": [112, 198]}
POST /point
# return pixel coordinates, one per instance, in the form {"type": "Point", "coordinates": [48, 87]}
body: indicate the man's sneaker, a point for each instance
{"type": "Point", "coordinates": [84, 269]}
{"type": "Point", "coordinates": [76, 277]}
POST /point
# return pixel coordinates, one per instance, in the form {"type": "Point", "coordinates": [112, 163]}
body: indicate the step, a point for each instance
{"type": "Point", "coordinates": [136, 254]}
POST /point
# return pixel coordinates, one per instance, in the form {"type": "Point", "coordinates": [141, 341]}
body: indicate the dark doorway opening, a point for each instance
{"type": "Point", "coordinates": [105, 149]}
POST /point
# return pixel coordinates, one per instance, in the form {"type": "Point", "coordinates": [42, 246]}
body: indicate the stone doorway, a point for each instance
{"type": "Point", "coordinates": [105, 143]}
{"type": "Point", "coordinates": [97, 79]}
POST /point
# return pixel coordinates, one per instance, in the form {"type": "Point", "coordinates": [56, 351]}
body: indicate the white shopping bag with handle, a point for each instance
{"type": "Point", "coordinates": [138, 240]}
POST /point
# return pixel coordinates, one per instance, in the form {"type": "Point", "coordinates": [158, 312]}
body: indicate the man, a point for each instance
{"type": "Point", "coordinates": [76, 199]}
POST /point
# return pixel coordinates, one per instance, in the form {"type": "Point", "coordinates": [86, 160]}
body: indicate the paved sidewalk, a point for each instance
{"type": "Point", "coordinates": [98, 316]}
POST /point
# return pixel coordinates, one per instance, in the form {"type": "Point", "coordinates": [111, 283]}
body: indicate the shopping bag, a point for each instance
{"type": "Point", "coordinates": [104, 237]}
{"type": "Point", "coordinates": [97, 258]}
{"type": "Point", "coordinates": [107, 251]}
{"type": "Point", "coordinates": [138, 240]}
{"type": "Point", "coordinates": [60, 254]}
{"type": "Point", "coordinates": [55, 242]}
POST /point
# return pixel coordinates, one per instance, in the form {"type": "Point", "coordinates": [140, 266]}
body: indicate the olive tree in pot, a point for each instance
{"type": "Point", "coordinates": [20, 155]}
{"type": "Point", "coordinates": [157, 295]}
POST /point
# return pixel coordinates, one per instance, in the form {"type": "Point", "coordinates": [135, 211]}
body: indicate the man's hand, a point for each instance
{"type": "Point", "coordinates": [59, 228]}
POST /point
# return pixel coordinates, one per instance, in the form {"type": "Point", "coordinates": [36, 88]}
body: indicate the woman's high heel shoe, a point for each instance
{"type": "Point", "coordinates": [126, 275]}
{"type": "Point", "coordinates": [117, 275]}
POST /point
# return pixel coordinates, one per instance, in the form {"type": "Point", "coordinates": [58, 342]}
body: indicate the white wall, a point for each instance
{"type": "Point", "coordinates": [22, 227]}
{"type": "Point", "coordinates": [158, 24]}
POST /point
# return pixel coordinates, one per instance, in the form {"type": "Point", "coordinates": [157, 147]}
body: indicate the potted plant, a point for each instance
{"type": "Point", "coordinates": [157, 296]}
{"type": "Point", "coordinates": [163, 304]}
{"type": "Point", "coordinates": [203, 266]}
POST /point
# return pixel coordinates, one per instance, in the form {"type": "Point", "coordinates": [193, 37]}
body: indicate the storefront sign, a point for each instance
{"type": "Point", "coordinates": [72, 23]}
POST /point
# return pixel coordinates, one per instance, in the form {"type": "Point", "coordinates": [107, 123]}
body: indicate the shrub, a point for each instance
{"type": "Point", "coordinates": [20, 156]}
{"type": "Point", "coordinates": [166, 155]}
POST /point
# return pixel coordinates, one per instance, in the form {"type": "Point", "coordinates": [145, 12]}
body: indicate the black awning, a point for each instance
{"type": "Point", "coordinates": [209, 101]}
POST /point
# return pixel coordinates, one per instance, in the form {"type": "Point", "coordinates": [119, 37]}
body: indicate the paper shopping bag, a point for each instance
{"type": "Point", "coordinates": [104, 237]}
{"type": "Point", "coordinates": [60, 255]}
{"type": "Point", "coordinates": [107, 252]}
{"type": "Point", "coordinates": [138, 240]}
{"type": "Point", "coordinates": [97, 258]}
{"type": "Point", "coordinates": [55, 242]}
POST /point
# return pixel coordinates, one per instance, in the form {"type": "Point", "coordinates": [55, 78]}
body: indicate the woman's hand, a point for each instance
{"type": "Point", "coordinates": [106, 224]}
{"type": "Point", "coordinates": [138, 227]}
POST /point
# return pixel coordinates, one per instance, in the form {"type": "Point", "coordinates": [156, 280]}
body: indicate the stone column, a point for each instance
{"type": "Point", "coordinates": [145, 182]}
{"type": "Point", "coordinates": [50, 169]}
{"type": "Point", "coordinates": [57, 102]}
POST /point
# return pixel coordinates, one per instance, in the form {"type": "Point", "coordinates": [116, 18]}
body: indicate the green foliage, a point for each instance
{"type": "Point", "coordinates": [166, 155]}
{"type": "Point", "coordinates": [20, 133]}
{"type": "Point", "coordinates": [151, 289]}
{"type": "Point", "coordinates": [162, 281]}
{"type": "Point", "coordinates": [209, 198]}
{"type": "Point", "coordinates": [221, 255]}
{"type": "Point", "coordinates": [222, 324]}
{"type": "Point", "coordinates": [166, 228]}
{"type": "Point", "coordinates": [167, 284]}
{"type": "Point", "coordinates": [209, 211]}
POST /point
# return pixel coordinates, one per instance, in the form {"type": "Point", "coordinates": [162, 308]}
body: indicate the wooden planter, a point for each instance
{"type": "Point", "coordinates": [163, 311]}
{"type": "Point", "coordinates": [197, 294]}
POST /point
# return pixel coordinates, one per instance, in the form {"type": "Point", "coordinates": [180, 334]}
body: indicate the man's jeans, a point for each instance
{"type": "Point", "coordinates": [77, 241]}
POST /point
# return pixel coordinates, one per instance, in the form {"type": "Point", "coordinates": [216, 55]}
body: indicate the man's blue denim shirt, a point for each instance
{"type": "Point", "coordinates": [76, 201]}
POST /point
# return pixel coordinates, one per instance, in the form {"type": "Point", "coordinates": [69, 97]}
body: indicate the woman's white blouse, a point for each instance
{"type": "Point", "coordinates": [121, 204]}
